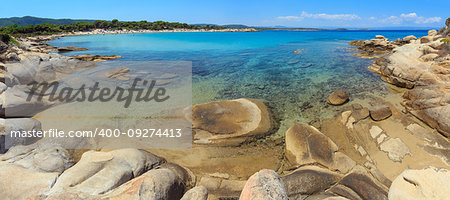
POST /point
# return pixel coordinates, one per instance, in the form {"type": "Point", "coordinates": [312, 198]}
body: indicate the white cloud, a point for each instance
{"type": "Point", "coordinates": [392, 20]}
{"type": "Point", "coordinates": [410, 17]}
{"type": "Point", "coordinates": [372, 18]}
{"type": "Point", "coordinates": [320, 16]}
{"type": "Point", "coordinates": [290, 18]}
{"type": "Point", "coordinates": [431, 20]}
{"type": "Point", "coordinates": [330, 17]}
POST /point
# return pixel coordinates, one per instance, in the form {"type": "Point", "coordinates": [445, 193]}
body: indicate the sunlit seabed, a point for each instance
{"type": "Point", "coordinates": [259, 65]}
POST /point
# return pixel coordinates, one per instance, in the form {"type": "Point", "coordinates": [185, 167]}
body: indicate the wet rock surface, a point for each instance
{"type": "Point", "coordinates": [338, 97]}
{"type": "Point", "coordinates": [70, 48]}
{"type": "Point", "coordinates": [121, 73]}
{"type": "Point", "coordinates": [95, 58]}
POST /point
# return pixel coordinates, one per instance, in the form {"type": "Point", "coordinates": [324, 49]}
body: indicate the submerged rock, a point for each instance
{"type": "Point", "coordinates": [230, 122]}
{"type": "Point", "coordinates": [96, 58]}
{"type": "Point", "coordinates": [359, 112]}
{"type": "Point", "coordinates": [70, 48]}
{"type": "Point", "coordinates": [338, 97]}
{"type": "Point", "coordinates": [122, 73]}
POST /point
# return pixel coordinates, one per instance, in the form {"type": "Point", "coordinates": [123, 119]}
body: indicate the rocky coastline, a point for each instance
{"type": "Point", "coordinates": [371, 152]}
{"type": "Point", "coordinates": [419, 64]}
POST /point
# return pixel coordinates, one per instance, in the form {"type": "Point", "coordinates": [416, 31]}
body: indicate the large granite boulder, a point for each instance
{"type": "Point", "coordinates": [306, 145]}
{"type": "Point", "coordinates": [155, 184]}
{"type": "Point", "coordinates": [380, 112]}
{"type": "Point", "coordinates": [409, 38]}
{"type": "Point", "coordinates": [31, 170]}
{"type": "Point", "coordinates": [3, 47]}
{"type": "Point", "coordinates": [17, 125]}
{"type": "Point", "coordinates": [160, 183]}
{"type": "Point", "coordinates": [262, 185]}
{"type": "Point", "coordinates": [39, 67]}
{"type": "Point", "coordinates": [17, 182]}
{"type": "Point", "coordinates": [428, 183]}
{"type": "Point", "coordinates": [196, 193]}
{"type": "Point", "coordinates": [432, 105]}
{"type": "Point", "coordinates": [230, 122]}
{"type": "Point", "coordinates": [17, 102]}
{"type": "Point", "coordinates": [359, 184]}
{"type": "Point", "coordinates": [40, 158]}
{"type": "Point", "coordinates": [309, 180]}
{"type": "Point", "coordinates": [100, 172]}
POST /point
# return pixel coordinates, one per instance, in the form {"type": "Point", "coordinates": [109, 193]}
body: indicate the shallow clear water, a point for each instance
{"type": "Point", "coordinates": [258, 65]}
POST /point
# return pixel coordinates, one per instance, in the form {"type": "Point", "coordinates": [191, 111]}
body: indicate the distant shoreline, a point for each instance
{"type": "Point", "coordinates": [111, 32]}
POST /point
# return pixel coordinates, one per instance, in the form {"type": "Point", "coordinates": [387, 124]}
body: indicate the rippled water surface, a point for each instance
{"type": "Point", "coordinates": [258, 65]}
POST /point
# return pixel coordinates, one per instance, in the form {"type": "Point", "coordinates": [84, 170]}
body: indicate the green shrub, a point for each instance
{"type": "Point", "coordinates": [7, 39]}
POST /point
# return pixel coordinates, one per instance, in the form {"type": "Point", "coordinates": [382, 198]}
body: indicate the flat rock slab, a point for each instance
{"type": "Point", "coordinates": [395, 148]}
{"type": "Point", "coordinates": [375, 131]}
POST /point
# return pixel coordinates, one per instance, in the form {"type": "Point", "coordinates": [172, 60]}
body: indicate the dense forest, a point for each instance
{"type": "Point", "coordinates": [49, 28]}
{"type": "Point", "coordinates": [29, 20]}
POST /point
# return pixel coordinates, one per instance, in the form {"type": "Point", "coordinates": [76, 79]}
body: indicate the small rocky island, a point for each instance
{"type": "Point", "coordinates": [387, 150]}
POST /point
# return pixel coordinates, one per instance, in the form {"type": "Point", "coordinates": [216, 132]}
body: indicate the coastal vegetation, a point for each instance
{"type": "Point", "coordinates": [49, 28]}
{"type": "Point", "coordinates": [7, 39]}
{"type": "Point", "coordinates": [29, 20]}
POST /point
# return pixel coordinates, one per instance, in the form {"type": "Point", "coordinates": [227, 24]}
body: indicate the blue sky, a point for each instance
{"type": "Point", "coordinates": [294, 13]}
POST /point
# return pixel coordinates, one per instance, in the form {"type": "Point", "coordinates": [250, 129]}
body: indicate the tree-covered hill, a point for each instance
{"type": "Point", "coordinates": [49, 28]}
{"type": "Point", "coordinates": [28, 20]}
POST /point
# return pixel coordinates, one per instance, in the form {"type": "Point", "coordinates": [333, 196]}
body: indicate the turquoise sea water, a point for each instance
{"type": "Point", "coordinates": [258, 65]}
